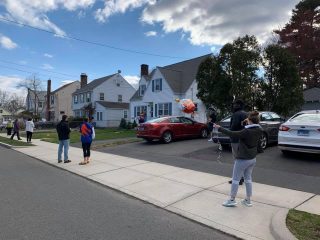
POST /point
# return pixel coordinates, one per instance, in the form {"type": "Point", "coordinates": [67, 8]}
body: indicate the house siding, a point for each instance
{"type": "Point", "coordinates": [166, 95]}
{"type": "Point", "coordinates": [111, 92]}
{"type": "Point", "coordinates": [110, 117]}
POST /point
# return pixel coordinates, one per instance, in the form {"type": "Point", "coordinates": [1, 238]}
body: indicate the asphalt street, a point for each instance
{"type": "Point", "coordinates": [297, 171]}
{"type": "Point", "coordinates": [39, 201]}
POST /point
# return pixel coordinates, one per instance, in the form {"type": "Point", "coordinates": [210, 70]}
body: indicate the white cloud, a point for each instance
{"type": "Point", "coordinates": [35, 12]}
{"type": "Point", "coordinates": [112, 7]}
{"type": "Point", "coordinates": [48, 55]}
{"type": "Point", "coordinates": [151, 34]}
{"type": "Point", "coordinates": [9, 84]}
{"type": "Point", "coordinates": [215, 22]}
{"type": "Point", "coordinates": [133, 80]}
{"type": "Point", "coordinates": [23, 62]}
{"type": "Point", "coordinates": [7, 43]}
{"type": "Point", "coordinates": [65, 82]}
{"type": "Point", "coordinates": [47, 66]}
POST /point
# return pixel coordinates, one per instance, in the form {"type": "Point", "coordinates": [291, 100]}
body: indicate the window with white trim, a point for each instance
{"type": "Point", "coordinates": [75, 99]}
{"type": "Point", "coordinates": [119, 98]}
{"type": "Point", "coordinates": [142, 89]}
{"type": "Point", "coordinates": [40, 104]}
{"type": "Point", "coordinates": [88, 97]}
{"type": "Point", "coordinates": [101, 97]}
{"type": "Point", "coordinates": [99, 116]}
{"type": "Point", "coordinates": [81, 98]}
{"type": "Point", "coordinates": [157, 85]}
{"type": "Point", "coordinates": [125, 114]}
{"type": "Point", "coordinates": [140, 109]}
{"type": "Point", "coordinates": [163, 109]}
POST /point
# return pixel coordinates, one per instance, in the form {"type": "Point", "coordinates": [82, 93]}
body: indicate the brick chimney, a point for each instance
{"type": "Point", "coordinates": [144, 70]}
{"type": "Point", "coordinates": [48, 99]}
{"type": "Point", "coordinates": [83, 80]}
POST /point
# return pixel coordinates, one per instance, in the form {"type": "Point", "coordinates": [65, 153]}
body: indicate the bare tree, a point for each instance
{"type": "Point", "coordinates": [4, 97]}
{"type": "Point", "coordinates": [34, 86]}
{"type": "Point", "coordinates": [15, 103]}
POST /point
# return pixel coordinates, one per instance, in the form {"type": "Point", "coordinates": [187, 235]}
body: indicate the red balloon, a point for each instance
{"type": "Point", "coordinates": [187, 106]}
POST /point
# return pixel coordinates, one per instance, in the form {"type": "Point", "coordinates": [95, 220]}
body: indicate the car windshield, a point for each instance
{"type": "Point", "coordinates": [307, 117]}
{"type": "Point", "coordinates": [157, 120]}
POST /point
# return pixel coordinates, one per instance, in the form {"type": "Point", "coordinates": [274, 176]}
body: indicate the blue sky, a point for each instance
{"type": "Point", "coordinates": [178, 28]}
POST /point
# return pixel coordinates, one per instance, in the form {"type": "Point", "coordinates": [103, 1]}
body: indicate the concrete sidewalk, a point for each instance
{"type": "Point", "coordinates": [189, 193]}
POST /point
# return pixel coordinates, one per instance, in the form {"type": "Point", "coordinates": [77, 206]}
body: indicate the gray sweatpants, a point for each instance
{"type": "Point", "coordinates": [242, 168]}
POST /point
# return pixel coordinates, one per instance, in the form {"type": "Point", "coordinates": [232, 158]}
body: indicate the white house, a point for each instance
{"type": "Point", "coordinates": [159, 90]}
{"type": "Point", "coordinates": [106, 99]}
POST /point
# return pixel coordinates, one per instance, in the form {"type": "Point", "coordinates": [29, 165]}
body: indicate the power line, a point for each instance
{"type": "Point", "coordinates": [87, 41]}
{"type": "Point", "coordinates": [65, 74]}
{"type": "Point", "coordinates": [20, 70]}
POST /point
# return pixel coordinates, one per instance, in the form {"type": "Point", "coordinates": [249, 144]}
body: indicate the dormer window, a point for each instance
{"type": "Point", "coordinates": [158, 84]}
{"type": "Point", "coordinates": [101, 97]}
{"type": "Point", "coordinates": [142, 89]}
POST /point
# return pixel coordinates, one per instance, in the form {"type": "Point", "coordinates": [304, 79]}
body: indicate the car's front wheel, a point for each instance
{"type": "Point", "coordinates": [167, 137]}
{"type": "Point", "coordinates": [204, 133]}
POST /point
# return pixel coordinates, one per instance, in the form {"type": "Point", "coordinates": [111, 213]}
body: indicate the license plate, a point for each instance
{"type": "Point", "coordinates": [303, 132]}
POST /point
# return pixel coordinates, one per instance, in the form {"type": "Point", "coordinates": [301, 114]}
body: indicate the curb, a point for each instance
{"type": "Point", "coordinates": [279, 228]}
{"type": "Point", "coordinates": [5, 145]}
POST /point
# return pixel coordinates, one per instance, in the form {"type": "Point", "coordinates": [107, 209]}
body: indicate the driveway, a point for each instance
{"type": "Point", "coordinates": [298, 171]}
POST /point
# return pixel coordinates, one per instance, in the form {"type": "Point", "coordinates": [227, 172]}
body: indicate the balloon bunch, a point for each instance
{"type": "Point", "coordinates": [186, 105]}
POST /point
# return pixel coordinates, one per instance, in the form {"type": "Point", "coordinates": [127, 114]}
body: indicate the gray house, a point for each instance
{"type": "Point", "coordinates": [311, 98]}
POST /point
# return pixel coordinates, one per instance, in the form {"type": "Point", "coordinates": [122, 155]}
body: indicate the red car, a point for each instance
{"type": "Point", "coordinates": [169, 128]}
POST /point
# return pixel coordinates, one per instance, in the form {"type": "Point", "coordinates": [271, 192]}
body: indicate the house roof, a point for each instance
{"type": "Point", "coordinates": [93, 84]}
{"type": "Point", "coordinates": [62, 87]}
{"type": "Point", "coordinates": [311, 94]}
{"type": "Point", "coordinates": [41, 95]}
{"type": "Point", "coordinates": [178, 75]}
{"type": "Point", "coordinates": [114, 105]}
{"type": "Point", "coordinates": [181, 75]}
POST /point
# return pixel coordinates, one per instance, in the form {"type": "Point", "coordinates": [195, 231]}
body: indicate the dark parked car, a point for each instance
{"type": "Point", "coordinates": [170, 128]}
{"type": "Point", "coordinates": [269, 121]}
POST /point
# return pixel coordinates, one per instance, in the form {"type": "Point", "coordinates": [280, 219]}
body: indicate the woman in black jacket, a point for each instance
{"type": "Point", "coordinates": [245, 157]}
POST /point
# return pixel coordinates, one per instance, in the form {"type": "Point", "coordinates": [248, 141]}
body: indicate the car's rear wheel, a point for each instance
{"type": "Point", "coordinates": [263, 141]}
{"type": "Point", "coordinates": [204, 133]}
{"type": "Point", "coordinates": [167, 137]}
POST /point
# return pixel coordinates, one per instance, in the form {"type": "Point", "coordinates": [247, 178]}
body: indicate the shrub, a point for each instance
{"type": "Point", "coordinates": [134, 124]}
{"type": "Point", "coordinates": [123, 123]}
{"type": "Point", "coordinates": [129, 125]}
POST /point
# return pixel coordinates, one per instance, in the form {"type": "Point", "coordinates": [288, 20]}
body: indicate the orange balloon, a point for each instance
{"type": "Point", "coordinates": [187, 106]}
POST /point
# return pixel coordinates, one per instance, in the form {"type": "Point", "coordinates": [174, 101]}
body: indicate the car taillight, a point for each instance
{"type": "Point", "coordinates": [284, 128]}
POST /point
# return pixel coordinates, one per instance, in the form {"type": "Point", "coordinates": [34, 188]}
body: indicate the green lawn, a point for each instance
{"type": "Point", "coordinates": [305, 226]}
{"type": "Point", "coordinates": [101, 134]}
{"type": "Point", "coordinates": [14, 142]}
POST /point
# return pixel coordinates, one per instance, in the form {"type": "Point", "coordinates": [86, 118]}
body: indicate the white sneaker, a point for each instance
{"type": "Point", "coordinates": [247, 202]}
{"type": "Point", "coordinates": [210, 140]}
{"type": "Point", "coordinates": [229, 203]}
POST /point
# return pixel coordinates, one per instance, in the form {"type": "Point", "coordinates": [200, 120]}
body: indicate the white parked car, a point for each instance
{"type": "Point", "coordinates": [301, 133]}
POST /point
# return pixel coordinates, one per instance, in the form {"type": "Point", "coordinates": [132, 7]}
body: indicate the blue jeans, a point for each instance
{"type": "Point", "coordinates": [242, 168]}
{"type": "Point", "coordinates": [63, 144]}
